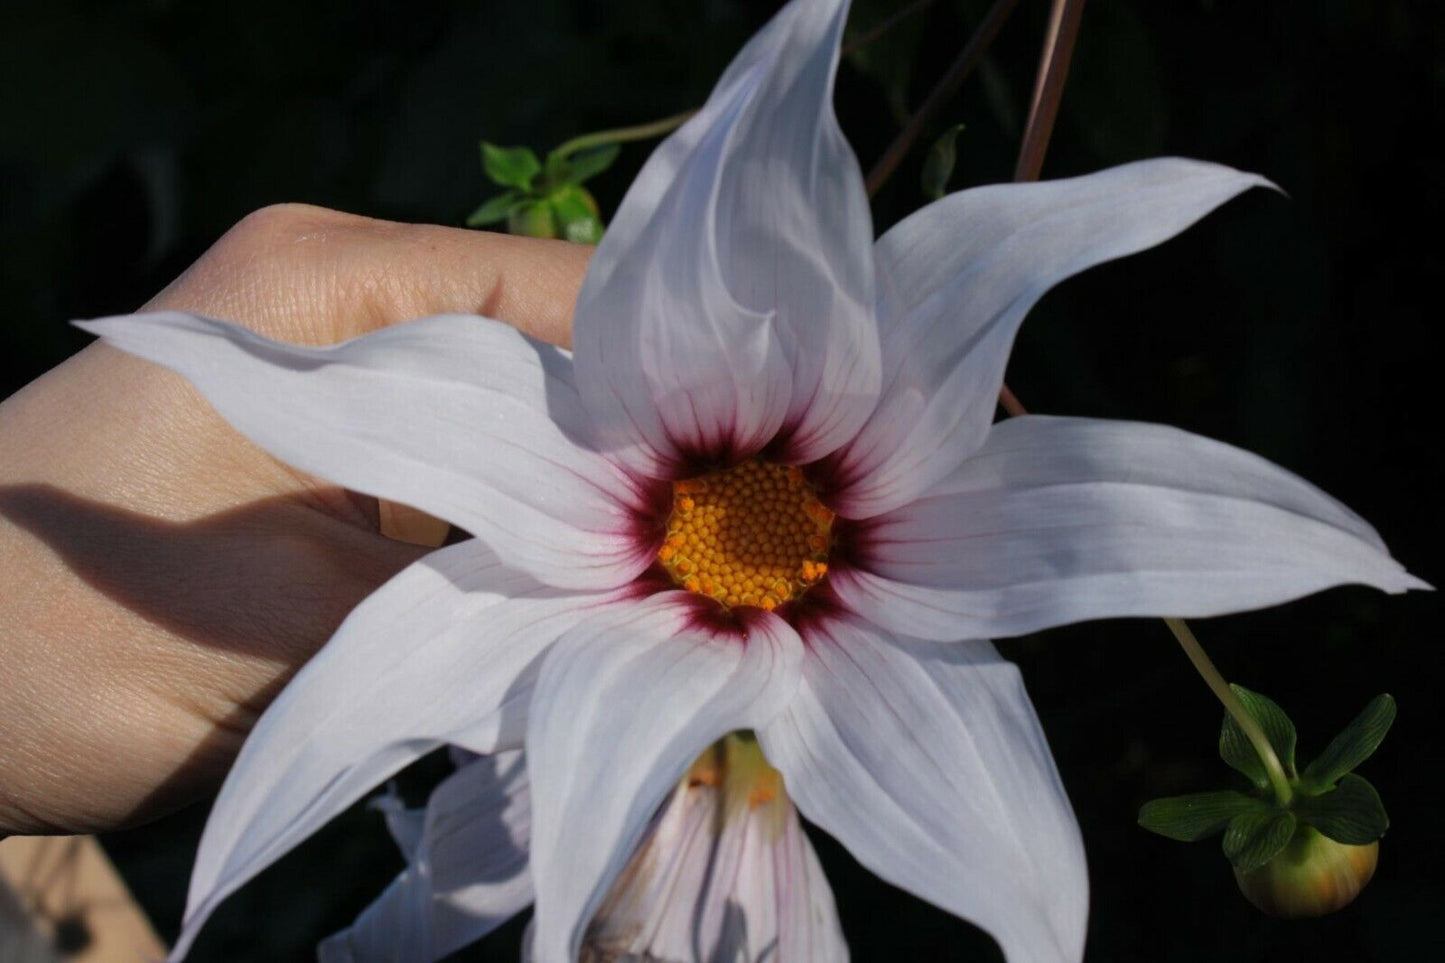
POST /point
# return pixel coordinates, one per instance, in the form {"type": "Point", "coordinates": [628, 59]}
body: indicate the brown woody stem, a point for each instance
{"type": "Point", "coordinates": [1059, 42]}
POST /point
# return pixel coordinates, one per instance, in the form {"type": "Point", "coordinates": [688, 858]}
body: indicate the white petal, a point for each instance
{"type": "Point", "coordinates": [926, 760]}
{"type": "Point", "coordinates": [447, 651]}
{"type": "Point", "coordinates": [955, 280]}
{"type": "Point", "coordinates": [468, 875]}
{"type": "Point", "coordinates": [460, 416]}
{"type": "Point", "coordinates": [624, 703]}
{"type": "Point", "coordinates": [732, 295]}
{"type": "Point", "coordinates": [720, 878]}
{"type": "Point", "coordinates": [1058, 520]}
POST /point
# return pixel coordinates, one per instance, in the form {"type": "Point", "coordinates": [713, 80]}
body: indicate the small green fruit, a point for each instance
{"type": "Point", "coordinates": [1313, 875]}
{"type": "Point", "coordinates": [576, 211]}
{"type": "Point", "coordinates": [532, 219]}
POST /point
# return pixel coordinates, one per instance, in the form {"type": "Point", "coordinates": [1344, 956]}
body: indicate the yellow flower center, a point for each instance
{"type": "Point", "coordinates": [754, 534]}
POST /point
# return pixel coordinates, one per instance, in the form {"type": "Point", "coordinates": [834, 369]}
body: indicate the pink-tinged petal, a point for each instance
{"type": "Point", "coordinates": [460, 416]}
{"type": "Point", "coordinates": [732, 295]}
{"type": "Point", "coordinates": [624, 703]}
{"type": "Point", "coordinates": [447, 651]}
{"type": "Point", "coordinates": [787, 908]}
{"type": "Point", "coordinates": [926, 760]}
{"type": "Point", "coordinates": [467, 871]}
{"type": "Point", "coordinates": [1059, 520]}
{"type": "Point", "coordinates": [721, 875]}
{"type": "Point", "coordinates": [956, 279]}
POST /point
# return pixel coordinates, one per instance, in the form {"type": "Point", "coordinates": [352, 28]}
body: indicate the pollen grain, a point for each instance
{"type": "Point", "coordinates": [754, 534]}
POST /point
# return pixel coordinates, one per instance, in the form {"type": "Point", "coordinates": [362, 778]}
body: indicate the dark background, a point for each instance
{"type": "Point", "coordinates": [133, 133]}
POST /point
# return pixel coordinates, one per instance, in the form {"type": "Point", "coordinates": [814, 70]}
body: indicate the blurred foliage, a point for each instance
{"type": "Point", "coordinates": [134, 132]}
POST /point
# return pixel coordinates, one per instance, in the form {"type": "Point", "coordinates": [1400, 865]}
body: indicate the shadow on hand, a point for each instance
{"type": "Point", "coordinates": [269, 582]}
{"type": "Point", "coordinates": [271, 579]}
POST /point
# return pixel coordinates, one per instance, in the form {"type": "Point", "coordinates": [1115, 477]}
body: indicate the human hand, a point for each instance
{"type": "Point", "coordinates": [163, 577]}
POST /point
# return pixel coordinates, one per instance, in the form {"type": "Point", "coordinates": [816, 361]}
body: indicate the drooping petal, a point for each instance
{"type": "Point", "coordinates": [460, 416]}
{"type": "Point", "coordinates": [468, 872]}
{"type": "Point", "coordinates": [732, 295]}
{"type": "Point", "coordinates": [725, 873]}
{"type": "Point", "coordinates": [1059, 520]}
{"type": "Point", "coordinates": [806, 921]}
{"type": "Point", "coordinates": [955, 280]}
{"type": "Point", "coordinates": [624, 703]}
{"type": "Point", "coordinates": [447, 651]}
{"type": "Point", "coordinates": [926, 760]}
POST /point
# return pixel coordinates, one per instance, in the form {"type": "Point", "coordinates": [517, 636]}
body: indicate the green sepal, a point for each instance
{"type": "Point", "coordinates": [532, 219]}
{"type": "Point", "coordinates": [564, 169]}
{"type": "Point", "coordinates": [1198, 815]}
{"type": "Point", "coordinates": [1354, 745]}
{"type": "Point", "coordinates": [576, 214]}
{"type": "Point", "coordinates": [1253, 839]}
{"type": "Point", "coordinates": [510, 166]}
{"type": "Point", "coordinates": [938, 165]}
{"type": "Point", "coordinates": [557, 170]}
{"type": "Point", "coordinates": [493, 209]}
{"type": "Point", "coordinates": [587, 164]}
{"type": "Point", "coordinates": [1351, 813]}
{"type": "Point", "coordinates": [1236, 749]}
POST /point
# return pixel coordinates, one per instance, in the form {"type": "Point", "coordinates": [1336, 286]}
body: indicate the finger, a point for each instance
{"type": "Point", "coordinates": [344, 275]}
{"type": "Point", "coordinates": [310, 275]}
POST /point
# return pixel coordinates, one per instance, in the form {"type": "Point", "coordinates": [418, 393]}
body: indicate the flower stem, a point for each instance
{"type": "Point", "coordinates": [1202, 664]}
{"type": "Point", "coordinates": [620, 134]}
{"type": "Point", "coordinates": [1234, 707]}
{"type": "Point", "coordinates": [1010, 402]}
{"type": "Point", "coordinates": [961, 67]}
{"type": "Point", "coordinates": [1059, 43]}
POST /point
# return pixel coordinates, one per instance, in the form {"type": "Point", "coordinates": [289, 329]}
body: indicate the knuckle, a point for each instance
{"type": "Point", "coordinates": [277, 227]}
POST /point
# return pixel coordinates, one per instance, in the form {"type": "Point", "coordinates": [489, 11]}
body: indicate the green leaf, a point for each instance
{"type": "Point", "coordinates": [1350, 813]}
{"type": "Point", "coordinates": [1198, 815]}
{"type": "Point", "coordinates": [493, 209]}
{"type": "Point", "coordinates": [589, 163]}
{"type": "Point", "coordinates": [938, 166]}
{"type": "Point", "coordinates": [576, 212]}
{"type": "Point", "coordinates": [1253, 839]}
{"type": "Point", "coordinates": [510, 166]}
{"type": "Point", "coordinates": [1354, 745]}
{"type": "Point", "coordinates": [1235, 747]}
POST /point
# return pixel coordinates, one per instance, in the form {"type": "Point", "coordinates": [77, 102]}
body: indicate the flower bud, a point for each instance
{"type": "Point", "coordinates": [577, 214]}
{"type": "Point", "coordinates": [532, 219]}
{"type": "Point", "coordinates": [1313, 875]}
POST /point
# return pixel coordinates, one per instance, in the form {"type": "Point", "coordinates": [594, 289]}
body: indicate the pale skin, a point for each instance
{"type": "Point", "coordinates": [163, 577]}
